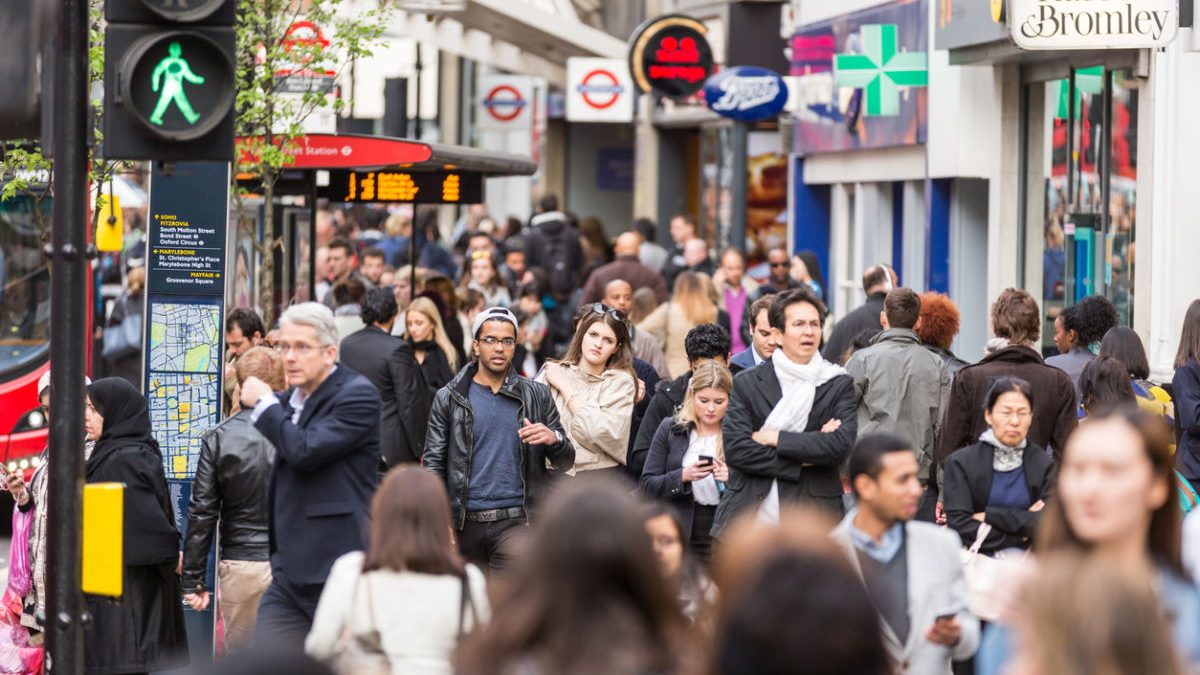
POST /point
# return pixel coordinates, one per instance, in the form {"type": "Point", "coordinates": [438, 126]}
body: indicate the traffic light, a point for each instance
{"type": "Point", "coordinates": [24, 29]}
{"type": "Point", "coordinates": [169, 79]}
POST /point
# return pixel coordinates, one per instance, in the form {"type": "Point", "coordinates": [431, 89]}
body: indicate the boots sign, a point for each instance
{"type": "Point", "coordinates": [1093, 24]}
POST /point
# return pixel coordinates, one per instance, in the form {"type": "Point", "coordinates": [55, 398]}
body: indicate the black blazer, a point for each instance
{"type": "Point", "coordinates": [968, 480]}
{"type": "Point", "coordinates": [326, 469]}
{"type": "Point", "coordinates": [806, 464]}
{"type": "Point", "coordinates": [663, 476]}
{"type": "Point", "coordinates": [387, 361]}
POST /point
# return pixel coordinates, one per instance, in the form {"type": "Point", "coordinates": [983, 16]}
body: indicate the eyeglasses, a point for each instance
{"type": "Point", "coordinates": [480, 255]}
{"type": "Point", "coordinates": [300, 349]}
{"type": "Point", "coordinates": [491, 341]}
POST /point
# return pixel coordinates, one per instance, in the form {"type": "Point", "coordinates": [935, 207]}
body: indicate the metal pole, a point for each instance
{"type": "Point", "coordinates": [68, 332]}
{"type": "Point", "coordinates": [417, 118]}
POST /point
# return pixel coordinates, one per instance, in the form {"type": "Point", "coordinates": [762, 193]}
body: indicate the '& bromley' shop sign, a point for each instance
{"type": "Point", "coordinates": [1093, 24]}
{"type": "Point", "coordinates": [670, 56]}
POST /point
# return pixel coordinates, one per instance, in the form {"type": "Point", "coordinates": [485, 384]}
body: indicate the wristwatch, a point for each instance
{"type": "Point", "coordinates": [558, 437]}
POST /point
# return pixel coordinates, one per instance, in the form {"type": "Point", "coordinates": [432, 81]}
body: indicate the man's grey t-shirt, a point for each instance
{"type": "Point", "coordinates": [496, 457]}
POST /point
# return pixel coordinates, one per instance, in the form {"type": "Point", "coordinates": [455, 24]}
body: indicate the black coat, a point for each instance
{"type": "Point", "coordinates": [436, 370]}
{"type": "Point", "coordinates": [863, 319]}
{"type": "Point", "coordinates": [326, 470]}
{"type": "Point", "coordinates": [144, 630]}
{"type": "Point", "coordinates": [664, 404]}
{"type": "Point", "coordinates": [387, 361]}
{"type": "Point", "coordinates": [663, 476]}
{"type": "Point", "coordinates": [806, 464]}
{"type": "Point", "coordinates": [968, 481]}
{"type": "Point", "coordinates": [232, 485]}
{"type": "Point", "coordinates": [449, 443]}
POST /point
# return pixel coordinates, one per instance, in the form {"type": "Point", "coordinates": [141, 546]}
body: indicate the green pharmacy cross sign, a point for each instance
{"type": "Point", "coordinates": [881, 70]}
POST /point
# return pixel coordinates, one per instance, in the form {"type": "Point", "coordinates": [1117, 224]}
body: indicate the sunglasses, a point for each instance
{"type": "Point", "coordinates": [612, 312]}
{"type": "Point", "coordinates": [779, 264]}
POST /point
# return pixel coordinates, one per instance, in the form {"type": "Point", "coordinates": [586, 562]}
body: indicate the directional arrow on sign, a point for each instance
{"type": "Point", "coordinates": [881, 70]}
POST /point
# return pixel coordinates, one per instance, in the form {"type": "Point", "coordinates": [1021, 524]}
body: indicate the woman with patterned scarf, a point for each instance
{"type": "Point", "coordinates": [1003, 480]}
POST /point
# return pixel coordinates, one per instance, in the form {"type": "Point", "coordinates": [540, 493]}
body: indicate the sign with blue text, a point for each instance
{"type": "Point", "coordinates": [746, 93]}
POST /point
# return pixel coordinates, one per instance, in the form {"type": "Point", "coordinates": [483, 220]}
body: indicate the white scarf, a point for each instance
{"type": "Point", "coordinates": [799, 383]}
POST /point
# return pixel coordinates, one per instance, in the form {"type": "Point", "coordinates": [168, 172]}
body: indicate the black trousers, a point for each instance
{"type": "Point", "coordinates": [285, 613]}
{"type": "Point", "coordinates": [700, 542]}
{"type": "Point", "coordinates": [489, 545]}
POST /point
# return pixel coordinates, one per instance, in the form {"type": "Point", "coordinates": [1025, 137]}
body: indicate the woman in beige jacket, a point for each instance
{"type": "Point", "coordinates": [594, 388]}
{"type": "Point", "coordinates": [690, 305]}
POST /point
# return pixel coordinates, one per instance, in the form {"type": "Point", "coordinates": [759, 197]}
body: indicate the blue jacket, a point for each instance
{"type": "Point", "coordinates": [326, 469]}
{"type": "Point", "coordinates": [1185, 392]}
{"type": "Point", "coordinates": [744, 359]}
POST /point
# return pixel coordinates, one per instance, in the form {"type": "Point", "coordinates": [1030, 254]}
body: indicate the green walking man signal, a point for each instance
{"type": "Point", "coordinates": [174, 70]}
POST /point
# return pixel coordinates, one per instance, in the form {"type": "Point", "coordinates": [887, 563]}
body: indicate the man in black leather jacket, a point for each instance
{"type": "Point", "coordinates": [231, 486]}
{"type": "Point", "coordinates": [490, 435]}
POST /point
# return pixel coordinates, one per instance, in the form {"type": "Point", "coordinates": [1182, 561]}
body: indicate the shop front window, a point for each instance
{"type": "Point", "coordinates": [1088, 163]}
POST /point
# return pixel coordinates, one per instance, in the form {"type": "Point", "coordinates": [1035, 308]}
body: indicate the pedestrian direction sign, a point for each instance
{"type": "Point", "coordinates": [599, 90]}
{"type": "Point", "coordinates": [881, 70]}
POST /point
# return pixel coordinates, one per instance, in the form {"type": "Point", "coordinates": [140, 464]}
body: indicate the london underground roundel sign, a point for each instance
{"type": "Point", "coordinates": [746, 93]}
{"type": "Point", "coordinates": [179, 84]}
{"type": "Point", "coordinates": [670, 55]}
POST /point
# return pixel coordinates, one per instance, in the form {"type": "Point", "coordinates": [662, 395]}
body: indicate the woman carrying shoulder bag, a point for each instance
{"type": "Point", "coordinates": [359, 624]}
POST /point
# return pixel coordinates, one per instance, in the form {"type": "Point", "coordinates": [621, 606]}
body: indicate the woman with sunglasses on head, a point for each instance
{"type": "Point", "coordinates": [595, 388]}
{"type": "Point", "coordinates": [480, 273]}
{"type": "Point", "coordinates": [686, 463]}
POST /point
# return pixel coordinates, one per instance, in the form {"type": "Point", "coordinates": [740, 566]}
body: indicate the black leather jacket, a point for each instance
{"type": "Point", "coordinates": [449, 441]}
{"type": "Point", "coordinates": [232, 485]}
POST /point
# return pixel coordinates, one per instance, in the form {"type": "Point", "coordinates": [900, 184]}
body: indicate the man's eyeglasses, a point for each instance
{"type": "Point", "coordinates": [299, 348]}
{"type": "Point", "coordinates": [492, 341]}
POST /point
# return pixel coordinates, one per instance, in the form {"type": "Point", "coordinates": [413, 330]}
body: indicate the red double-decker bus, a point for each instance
{"type": "Point", "coordinates": [24, 329]}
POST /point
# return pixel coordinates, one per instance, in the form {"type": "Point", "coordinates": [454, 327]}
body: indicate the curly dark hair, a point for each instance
{"type": "Point", "coordinates": [707, 341]}
{"type": "Point", "coordinates": [1091, 318]}
{"type": "Point", "coordinates": [939, 320]}
{"type": "Point", "coordinates": [379, 306]}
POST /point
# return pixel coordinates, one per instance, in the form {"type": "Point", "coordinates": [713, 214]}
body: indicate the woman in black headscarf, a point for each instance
{"type": "Point", "coordinates": [144, 630]}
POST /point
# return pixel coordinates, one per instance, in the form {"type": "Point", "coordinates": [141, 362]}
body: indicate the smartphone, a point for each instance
{"type": "Point", "coordinates": [705, 460]}
{"type": "Point", "coordinates": [946, 615]}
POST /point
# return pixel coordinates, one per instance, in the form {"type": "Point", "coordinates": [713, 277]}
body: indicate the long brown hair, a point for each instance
{"type": "Point", "coordinates": [587, 597]}
{"type": "Point", "coordinates": [692, 296]}
{"type": "Point", "coordinates": [410, 525]}
{"type": "Point", "coordinates": [1189, 339]}
{"type": "Point", "coordinates": [1085, 615]}
{"type": "Point", "coordinates": [622, 357]}
{"type": "Point", "coordinates": [1163, 542]}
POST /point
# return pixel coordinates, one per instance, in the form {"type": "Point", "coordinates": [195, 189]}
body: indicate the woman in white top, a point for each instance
{"type": "Point", "coordinates": [595, 388]}
{"type": "Point", "coordinates": [686, 463]}
{"type": "Point", "coordinates": [411, 585]}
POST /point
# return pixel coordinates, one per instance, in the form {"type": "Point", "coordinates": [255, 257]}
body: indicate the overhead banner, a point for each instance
{"type": "Point", "coordinates": [599, 90]}
{"type": "Point", "coordinates": [861, 79]}
{"type": "Point", "coordinates": [1093, 24]}
{"type": "Point", "coordinates": [505, 103]}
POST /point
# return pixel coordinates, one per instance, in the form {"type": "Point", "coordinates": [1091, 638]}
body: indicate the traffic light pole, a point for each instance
{"type": "Point", "coordinates": [65, 620]}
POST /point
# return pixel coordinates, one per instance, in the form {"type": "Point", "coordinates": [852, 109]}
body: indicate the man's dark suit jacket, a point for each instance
{"type": "Point", "coordinates": [806, 464]}
{"type": "Point", "coordinates": [388, 362]}
{"type": "Point", "coordinates": [326, 470]}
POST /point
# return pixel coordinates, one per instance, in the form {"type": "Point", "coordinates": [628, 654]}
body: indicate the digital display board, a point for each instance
{"type": "Point", "coordinates": [416, 187]}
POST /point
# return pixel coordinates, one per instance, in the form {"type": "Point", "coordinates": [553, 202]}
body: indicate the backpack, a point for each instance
{"type": "Point", "coordinates": [559, 260]}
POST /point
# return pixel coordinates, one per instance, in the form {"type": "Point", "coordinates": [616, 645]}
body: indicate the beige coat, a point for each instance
{"type": "Point", "coordinates": [599, 429]}
{"type": "Point", "coordinates": [670, 326]}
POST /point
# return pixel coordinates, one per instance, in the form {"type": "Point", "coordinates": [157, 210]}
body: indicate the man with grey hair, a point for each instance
{"type": "Point", "coordinates": [325, 430]}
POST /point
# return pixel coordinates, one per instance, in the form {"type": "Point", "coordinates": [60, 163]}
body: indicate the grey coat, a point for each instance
{"type": "Point", "coordinates": [902, 388]}
{"type": "Point", "coordinates": [936, 584]}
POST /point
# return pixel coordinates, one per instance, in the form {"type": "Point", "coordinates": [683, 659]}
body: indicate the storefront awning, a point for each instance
{"type": "Point", "coordinates": [551, 36]}
{"type": "Point", "coordinates": [358, 151]}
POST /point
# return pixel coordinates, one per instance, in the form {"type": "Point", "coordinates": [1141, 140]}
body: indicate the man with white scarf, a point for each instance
{"type": "Point", "coordinates": [791, 422]}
